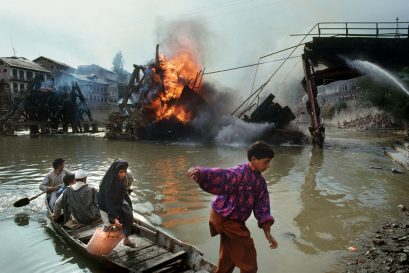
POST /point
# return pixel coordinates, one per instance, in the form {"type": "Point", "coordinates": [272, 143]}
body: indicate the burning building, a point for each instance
{"type": "Point", "coordinates": [161, 100]}
{"type": "Point", "coordinates": [167, 100]}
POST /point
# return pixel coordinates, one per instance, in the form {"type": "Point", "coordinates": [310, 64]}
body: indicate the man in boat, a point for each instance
{"type": "Point", "coordinates": [113, 200]}
{"type": "Point", "coordinates": [239, 192]}
{"type": "Point", "coordinates": [53, 180]}
{"type": "Point", "coordinates": [79, 203]}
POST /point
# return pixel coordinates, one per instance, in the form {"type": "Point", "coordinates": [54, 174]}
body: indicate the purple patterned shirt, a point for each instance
{"type": "Point", "coordinates": [239, 191]}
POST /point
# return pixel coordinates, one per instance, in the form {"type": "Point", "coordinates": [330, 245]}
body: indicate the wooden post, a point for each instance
{"type": "Point", "coordinates": [95, 127]}
{"type": "Point", "coordinates": [317, 130]}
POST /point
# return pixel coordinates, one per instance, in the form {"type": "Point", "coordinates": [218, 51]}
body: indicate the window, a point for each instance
{"type": "Point", "coordinates": [29, 75]}
{"type": "Point", "coordinates": [345, 87]}
{"type": "Point", "coordinates": [21, 86]}
{"type": "Point", "coordinates": [14, 73]}
{"type": "Point", "coordinates": [15, 87]}
{"type": "Point", "coordinates": [21, 74]}
{"type": "Point", "coordinates": [353, 87]}
{"type": "Point", "coordinates": [5, 70]}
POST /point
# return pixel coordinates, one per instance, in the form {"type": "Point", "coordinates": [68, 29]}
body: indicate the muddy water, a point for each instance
{"type": "Point", "coordinates": [322, 201]}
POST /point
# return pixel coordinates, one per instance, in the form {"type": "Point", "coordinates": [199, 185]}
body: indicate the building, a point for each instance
{"type": "Point", "coordinates": [17, 72]}
{"type": "Point", "coordinates": [55, 67]}
{"type": "Point", "coordinates": [98, 72]}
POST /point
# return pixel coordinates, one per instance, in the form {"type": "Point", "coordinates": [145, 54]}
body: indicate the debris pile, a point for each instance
{"type": "Point", "coordinates": [387, 251]}
{"type": "Point", "coordinates": [370, 121]}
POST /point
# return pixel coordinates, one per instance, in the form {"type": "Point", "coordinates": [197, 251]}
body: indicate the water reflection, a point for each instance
{"type": "Point", "coordinates": [22, 219]}
{"type": "Point", "coordinates": [323, 217]}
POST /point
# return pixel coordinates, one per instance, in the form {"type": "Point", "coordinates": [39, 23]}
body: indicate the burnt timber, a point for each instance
{"type": "Point", "coordinates": [324, 58]}
{"type": "Point", "coordinates": [44, 108]}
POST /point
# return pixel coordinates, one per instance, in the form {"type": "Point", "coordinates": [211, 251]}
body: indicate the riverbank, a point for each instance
{"type": "Point", "coordinates": [387, 250]}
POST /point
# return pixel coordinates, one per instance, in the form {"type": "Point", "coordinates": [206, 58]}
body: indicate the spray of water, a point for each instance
{"type": "Point", "coordinates": [376, 72]}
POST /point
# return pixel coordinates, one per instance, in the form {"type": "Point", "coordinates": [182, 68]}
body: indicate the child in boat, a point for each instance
{"type": "Point", "coordinates": [78, 203]}
{"type": "Point", "coordinates": [113, 200]}
{"type": "Point", "coordinates": [239, 191]}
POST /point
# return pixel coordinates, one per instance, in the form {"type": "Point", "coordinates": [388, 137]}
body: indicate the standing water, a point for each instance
{"type": "Point", "coordinates": [374, 70]}
{"type": "Point", "coordinates": [323, 201]}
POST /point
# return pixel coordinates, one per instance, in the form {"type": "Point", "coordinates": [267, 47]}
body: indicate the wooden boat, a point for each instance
{"type": "Point", "coordinates": [155, 250]}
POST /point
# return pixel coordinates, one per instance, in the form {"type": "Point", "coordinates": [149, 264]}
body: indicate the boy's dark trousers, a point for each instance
{"type": "Point", "coordinates": [236, 245]}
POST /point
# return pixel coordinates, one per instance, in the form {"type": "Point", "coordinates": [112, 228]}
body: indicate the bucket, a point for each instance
{"type": "Point", "coordinates": [105, 240]}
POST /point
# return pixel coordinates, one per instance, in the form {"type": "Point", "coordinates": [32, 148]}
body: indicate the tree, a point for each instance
{"type": "Point", "coordinates": [118, 62]}
{"type": "Point", "coordinates": [385, 96]}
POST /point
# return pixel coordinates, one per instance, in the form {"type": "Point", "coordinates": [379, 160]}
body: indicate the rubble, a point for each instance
{"type": "Point", "coordinates": [387, 251]}
{"type": "Point", "coordinates": [369, 121]}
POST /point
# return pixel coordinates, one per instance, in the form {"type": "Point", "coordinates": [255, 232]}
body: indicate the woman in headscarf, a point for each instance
{"type": "Point", "coordinates": [113, 200]}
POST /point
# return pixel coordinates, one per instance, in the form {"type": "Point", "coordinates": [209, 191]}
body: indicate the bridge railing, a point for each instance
{"type": "Point", "coordinates": [364, 29]}
{"type": "Point", "coordinates": [360, 29]}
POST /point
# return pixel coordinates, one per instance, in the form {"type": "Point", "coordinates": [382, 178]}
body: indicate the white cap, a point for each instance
{"type": "Point", "coordinates": [80, 174]}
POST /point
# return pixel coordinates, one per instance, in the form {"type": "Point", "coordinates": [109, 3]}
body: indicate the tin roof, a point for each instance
{"type": "Point", "coordinates": [54, 61]}
{"type": "Point", "coordinates": [20, 62]}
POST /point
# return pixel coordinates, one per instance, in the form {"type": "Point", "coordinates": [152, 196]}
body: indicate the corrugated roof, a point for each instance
{"type": "Point", "coordinates": [87, 79]}
{"type": "Point", "coordinates": [20, 62]}
{"type": "Point", "coordinates": [54, 61]}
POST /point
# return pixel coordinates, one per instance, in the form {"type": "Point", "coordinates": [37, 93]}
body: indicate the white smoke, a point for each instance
{"type": "Point", "coordinates": [239, 132]}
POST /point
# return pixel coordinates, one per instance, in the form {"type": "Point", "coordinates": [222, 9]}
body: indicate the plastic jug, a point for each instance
{"type": "Point", "coordinates": [105, 240]}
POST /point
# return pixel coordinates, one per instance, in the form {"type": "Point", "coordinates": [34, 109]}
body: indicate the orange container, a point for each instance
{"type": "Point", "coordinates": [104, 241]}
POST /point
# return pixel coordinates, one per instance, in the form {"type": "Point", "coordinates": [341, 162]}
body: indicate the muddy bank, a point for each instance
{"type": "Point", "coordinates": [387, 250]}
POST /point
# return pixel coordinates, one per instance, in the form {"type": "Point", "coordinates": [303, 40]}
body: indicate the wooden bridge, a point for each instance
{"type": "Point", "coordinates": [46, 128]}
{"type": "Point", "coordinates": [333, 43]}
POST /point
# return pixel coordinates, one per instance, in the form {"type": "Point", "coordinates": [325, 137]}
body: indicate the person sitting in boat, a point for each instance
{"type": "Point", "coordinates": [53, 180]}
{"type": "Point", "coordinates": [79, 203]}
{"type": "Point", "coordinates": [113, 199]}
{"type": "Point", "coordinates": [68, 181]}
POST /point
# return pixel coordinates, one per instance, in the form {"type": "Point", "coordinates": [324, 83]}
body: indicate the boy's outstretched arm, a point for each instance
{"type": "Point", "coordinates": [214, 180]}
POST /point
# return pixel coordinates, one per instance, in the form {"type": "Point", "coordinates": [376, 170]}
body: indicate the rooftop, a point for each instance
{"type": "Point", "coordinates": [21, 62]}
{"type": "Point", "coordinates": [54, 61]}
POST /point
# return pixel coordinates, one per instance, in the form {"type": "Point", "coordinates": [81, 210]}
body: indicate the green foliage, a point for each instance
{"type": "Point", "coordinates": [340, 105]}
{"type": "Point", "coordinates": [384, 96]}
{"type": "Point", "coordinates": [328, 112]}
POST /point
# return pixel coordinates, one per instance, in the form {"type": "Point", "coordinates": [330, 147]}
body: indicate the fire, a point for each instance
{"type": "Point", "coordinates": [177, 72]}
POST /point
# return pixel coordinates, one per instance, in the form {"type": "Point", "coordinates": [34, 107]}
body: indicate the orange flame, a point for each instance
{"type": "Point", "coordinates": [177, 71]}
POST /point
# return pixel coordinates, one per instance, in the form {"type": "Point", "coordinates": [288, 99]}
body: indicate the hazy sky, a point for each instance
{"type": "Point", "coordinates": [232, 33]}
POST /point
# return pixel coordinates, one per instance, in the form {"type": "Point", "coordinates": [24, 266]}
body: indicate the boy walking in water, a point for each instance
{"type": "Point", "coordinates": [239, 191]}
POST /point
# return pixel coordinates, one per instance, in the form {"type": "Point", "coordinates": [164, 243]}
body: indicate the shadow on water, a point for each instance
{"type": "Point", "coordinates": [22, 219]}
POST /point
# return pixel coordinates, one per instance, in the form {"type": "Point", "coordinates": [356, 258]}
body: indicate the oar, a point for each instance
{"type": "Point", "coordinates": [26, 201]}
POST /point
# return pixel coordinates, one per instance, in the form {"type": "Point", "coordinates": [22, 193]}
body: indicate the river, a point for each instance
{"type": "Point", "coordinates": [323, 201]}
